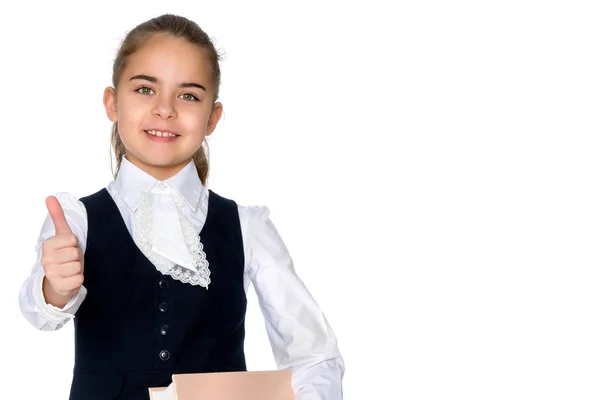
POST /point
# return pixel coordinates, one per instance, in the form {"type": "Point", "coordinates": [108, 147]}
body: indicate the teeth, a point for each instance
{"type": "Point", "coordinates": [161, 134]}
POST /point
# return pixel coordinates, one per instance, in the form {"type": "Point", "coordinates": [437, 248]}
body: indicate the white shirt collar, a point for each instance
{"type": "Point", "coordinates": [131, 181]}
{"type": "Point", "coordinates": [161, 228]}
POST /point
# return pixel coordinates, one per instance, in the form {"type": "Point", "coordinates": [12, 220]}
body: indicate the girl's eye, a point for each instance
{"type": "Point", "coordinates": [189, 96]}
{"type": "Point", "coordinates": [144, 90]}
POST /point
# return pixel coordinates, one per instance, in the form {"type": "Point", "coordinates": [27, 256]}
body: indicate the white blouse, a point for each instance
{"type": "Point", "coordinates": [300, 336]}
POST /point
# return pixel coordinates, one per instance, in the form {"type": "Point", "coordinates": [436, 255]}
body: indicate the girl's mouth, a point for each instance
{"type": "Point", "coordinates": [161, 136]}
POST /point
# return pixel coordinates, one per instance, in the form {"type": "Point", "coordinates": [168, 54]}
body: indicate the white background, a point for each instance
{"type": "Point", "coordinates": [432, 166]}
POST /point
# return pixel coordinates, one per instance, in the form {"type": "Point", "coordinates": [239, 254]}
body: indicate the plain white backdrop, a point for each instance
{"type": "Point", "coordinates": [432, 166]}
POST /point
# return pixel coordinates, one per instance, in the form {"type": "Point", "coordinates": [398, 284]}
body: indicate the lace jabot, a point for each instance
{"type": "Point", "coordinates": [167, 238]}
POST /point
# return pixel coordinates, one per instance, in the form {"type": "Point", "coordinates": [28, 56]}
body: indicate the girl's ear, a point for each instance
{"type": "Point", "coordinates": [110, 103]}
{"type": "Point", "coordinates": [215, 116]}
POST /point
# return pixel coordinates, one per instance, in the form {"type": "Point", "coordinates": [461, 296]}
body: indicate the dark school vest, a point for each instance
{"type": "Point", "coordinates": [137, 327]}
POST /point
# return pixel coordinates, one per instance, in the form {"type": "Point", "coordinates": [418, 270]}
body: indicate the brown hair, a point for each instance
{"type": "Point", "coordinates": [180, 27]}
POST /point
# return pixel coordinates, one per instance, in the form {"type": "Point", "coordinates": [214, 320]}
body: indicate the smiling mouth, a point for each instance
{"type": "Point", "coordinates": [161, 133]}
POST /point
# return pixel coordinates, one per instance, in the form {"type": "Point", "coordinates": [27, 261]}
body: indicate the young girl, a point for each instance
{"type": "Point", "coordinates": [154, 268]}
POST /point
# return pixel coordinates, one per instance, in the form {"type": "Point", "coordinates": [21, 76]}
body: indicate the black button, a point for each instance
{"type": "Point", "coordinates": [163, 284]}
{"type": "Point", "coordinates": [164, 355]}
{"type": "Point", "coordinates": [164, 329]}
{"type": "Point", "coordinates": [163, 307]}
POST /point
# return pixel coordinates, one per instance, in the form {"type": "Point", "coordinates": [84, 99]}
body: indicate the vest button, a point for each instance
{"type": "Point", "coordinates": [164, 329]}
{"type": "Point", "coordinates": [164, 355]}
{"type": "Point", "coordinates": [163, 307]}
{"type": "Point", "coordinates": [163, 284]}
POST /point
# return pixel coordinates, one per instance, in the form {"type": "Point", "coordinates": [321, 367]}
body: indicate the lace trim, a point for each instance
{"type": "Point", "coordinates": [196, 248]}
{"type": "Point", "coordinates": [143, 228]}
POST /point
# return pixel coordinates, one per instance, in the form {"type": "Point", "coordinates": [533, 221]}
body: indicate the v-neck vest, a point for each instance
{"type": "Point", "coordinates": [136, 326]}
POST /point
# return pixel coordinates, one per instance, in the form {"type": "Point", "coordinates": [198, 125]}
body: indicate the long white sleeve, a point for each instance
{"type": "Point", "coordinates": [34, 308]}
{"type": "Point", "coordinates": [300, 335]}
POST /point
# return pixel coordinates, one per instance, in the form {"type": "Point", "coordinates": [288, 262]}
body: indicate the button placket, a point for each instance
{"type": "Point", "coordinates": [163, 320]}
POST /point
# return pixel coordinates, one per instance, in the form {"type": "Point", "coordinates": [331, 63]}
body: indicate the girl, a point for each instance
{"type": "Point", "coordinates": [154, 268]}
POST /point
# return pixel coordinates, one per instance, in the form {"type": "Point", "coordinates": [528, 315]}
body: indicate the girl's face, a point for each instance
{"type": "Point", "coordinates": [164, 104]}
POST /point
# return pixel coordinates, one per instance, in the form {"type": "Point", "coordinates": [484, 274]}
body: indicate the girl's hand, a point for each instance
{"type": "Point", "coordinates": [62, 259]}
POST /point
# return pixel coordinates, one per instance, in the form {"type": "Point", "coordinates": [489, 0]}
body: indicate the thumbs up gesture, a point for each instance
{"type": "Point", "coordinates": [62, 259]}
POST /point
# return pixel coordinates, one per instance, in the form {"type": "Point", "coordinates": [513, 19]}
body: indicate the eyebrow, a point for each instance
{"type": "Point", "coordinates": [155, 80]}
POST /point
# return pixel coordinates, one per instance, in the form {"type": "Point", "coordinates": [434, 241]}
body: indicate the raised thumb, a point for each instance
{"type": "Point", "coordinates": [58, 216]}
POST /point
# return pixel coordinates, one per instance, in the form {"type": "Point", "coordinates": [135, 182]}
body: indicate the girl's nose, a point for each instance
{"type": "Point", "coordinates": [164, 108]}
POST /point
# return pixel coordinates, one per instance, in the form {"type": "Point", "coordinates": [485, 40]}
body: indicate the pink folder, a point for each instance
{"type": "Point", "coordinates": [246, 385]}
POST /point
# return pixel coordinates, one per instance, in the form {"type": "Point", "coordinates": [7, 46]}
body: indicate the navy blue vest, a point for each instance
{"type": "Point", "coordinates": [137, 327]}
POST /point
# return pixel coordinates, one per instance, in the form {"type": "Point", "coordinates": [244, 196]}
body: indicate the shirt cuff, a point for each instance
{"type": "Point", "coordinates": [56, 316]}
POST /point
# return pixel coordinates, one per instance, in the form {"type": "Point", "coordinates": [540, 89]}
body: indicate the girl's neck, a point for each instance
{"type": "Point", "coordinates": [160, 173]}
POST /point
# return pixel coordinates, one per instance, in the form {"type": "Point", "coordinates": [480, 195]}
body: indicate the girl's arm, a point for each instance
{"type": "Point", "coordinates": [300, 335]}
{"type": "Point", "coordinates": [33, 306]}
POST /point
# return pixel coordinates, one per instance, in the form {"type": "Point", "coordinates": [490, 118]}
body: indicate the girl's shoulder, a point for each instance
{"type": "Point", "coordinates": [254, 219]}
{"type": "Point", "coordinates": [74, 207]}
{"type": "Point", "coordinates": [253, 212]}
{"type": "Point", "coordinates": [70, 201]}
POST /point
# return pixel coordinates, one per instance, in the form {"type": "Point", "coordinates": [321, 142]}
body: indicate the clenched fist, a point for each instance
{"type": "Point", "coordinates": [62, 259]}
